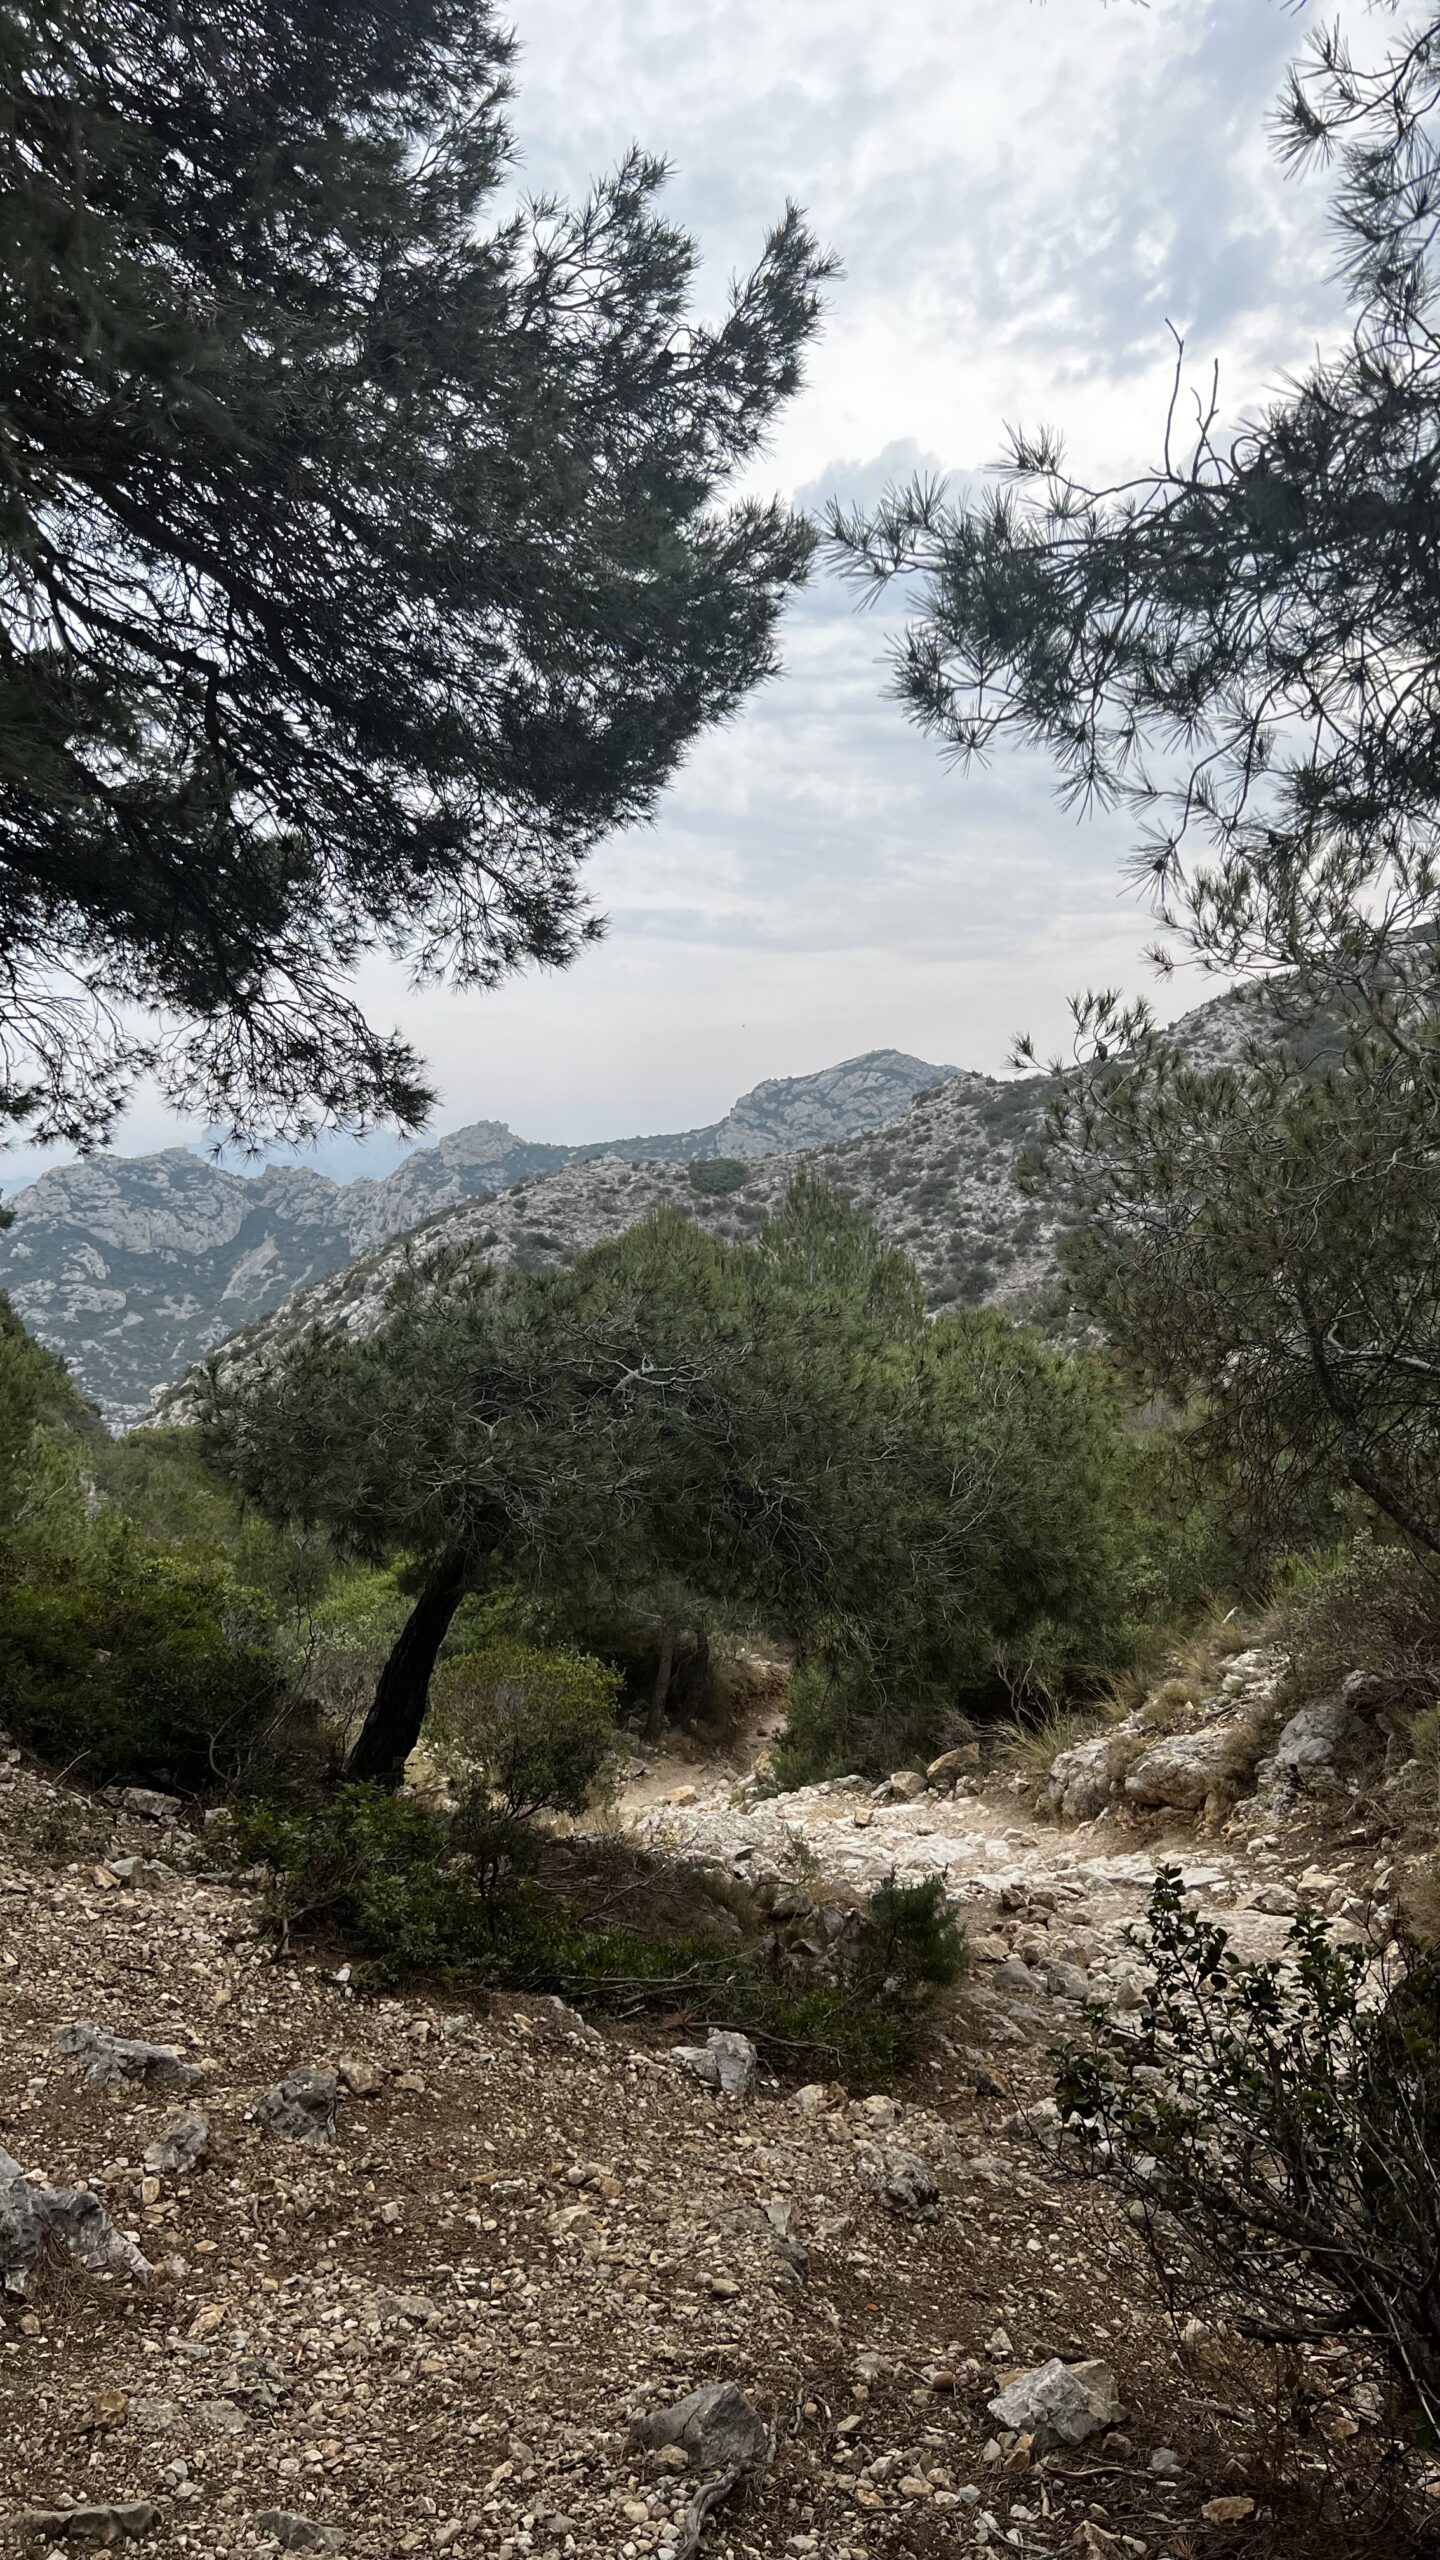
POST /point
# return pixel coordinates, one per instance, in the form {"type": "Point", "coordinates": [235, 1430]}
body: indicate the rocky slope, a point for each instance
{"type": "Point", "coordinates": [415, 2303]}
{"type": "Point", "coordinates": [938, 1179]}
{"type": "Point", "coordinates": [133, 1267]}
{"type": "Point", "coordinates": [939, 1182]}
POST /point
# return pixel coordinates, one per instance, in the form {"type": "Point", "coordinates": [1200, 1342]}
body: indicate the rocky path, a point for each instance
{"type": "Point", "coordinates": [415, 2305]}
{"type": "Point", "coordinates": [1052, 1911]}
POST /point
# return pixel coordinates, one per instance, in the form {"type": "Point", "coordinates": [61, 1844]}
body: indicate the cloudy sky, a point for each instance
{"type": "Point", "coordinates": [1023, 195]}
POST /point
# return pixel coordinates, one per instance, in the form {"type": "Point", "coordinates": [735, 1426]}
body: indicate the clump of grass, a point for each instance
{"type": "Point", "coordinates": [1187, 1663]}
{"type": "Point", "coordinates": [1425, 1742]}
{"type": "Point", "coordinates": [1029, 1747]}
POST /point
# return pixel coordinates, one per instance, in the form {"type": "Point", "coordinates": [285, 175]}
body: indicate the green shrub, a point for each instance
{"type": "Point", "coordinates": [840, 1720]}
{"type": "Point", "coordinates": [1282, 2132]}
{"type": "Point", "coordinates": [1370, 1606]}
{"type": "Point", "coordinates": [535, 1723]}
{"type": "Point", "coordinates": [125, 1663]}
{"type": "Point", "coordinates": [415, 1894]}
{"type": "Point", "coordinates": [714, 1176]}
{"type": "Point", "coordinates": [336, 1648]}
{"type": "Point", "coordinates": [911, 1941]}
{"type": "Point", "coordinates": [380, 1868]}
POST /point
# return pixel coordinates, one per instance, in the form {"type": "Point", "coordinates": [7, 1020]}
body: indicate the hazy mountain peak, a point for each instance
{"type": "Point", "coordinates": [133, 1267]}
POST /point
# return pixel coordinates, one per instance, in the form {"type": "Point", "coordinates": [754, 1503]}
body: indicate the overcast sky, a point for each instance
{"type": "Point", "coordinates": [1023, 193]}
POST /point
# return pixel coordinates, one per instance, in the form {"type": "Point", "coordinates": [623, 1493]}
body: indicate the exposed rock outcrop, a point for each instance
{"type": "Point", "coordinates": [34, 2215]}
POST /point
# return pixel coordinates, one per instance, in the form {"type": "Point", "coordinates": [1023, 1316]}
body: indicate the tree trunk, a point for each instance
{"type": "Point", "coordinates": [660, 1695]}
{"type": "Point", "coordinates": [397, 1712]}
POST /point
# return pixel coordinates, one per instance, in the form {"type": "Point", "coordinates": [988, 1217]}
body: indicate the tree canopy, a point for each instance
{"type": "Point", "coordinates": [1241, 646]}
{"type": "Point", "coordinates": [364, 556]}
{"type": "Point", "coordinates": [770, 1426]}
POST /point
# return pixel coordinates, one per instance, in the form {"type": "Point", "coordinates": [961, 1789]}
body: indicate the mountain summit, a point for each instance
{"type": "Point", "coordinates": [133, 1267]}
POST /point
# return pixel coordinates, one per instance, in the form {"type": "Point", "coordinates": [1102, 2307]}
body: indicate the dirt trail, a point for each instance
{"type": "Point", "coordinates": [996, 1857]}
{"type": "Point", "coordinates": [429, 2334]}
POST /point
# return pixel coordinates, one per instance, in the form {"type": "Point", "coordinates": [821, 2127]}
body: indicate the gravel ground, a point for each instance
{"type": "Point", "coordinates": [431, 2333]}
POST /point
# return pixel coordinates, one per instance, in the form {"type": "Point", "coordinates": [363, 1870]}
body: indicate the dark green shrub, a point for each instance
{"type": "Point", "coordinates": [380, 1868]}
{"type": "Point", "coordinates": [912, 1942]}
{"type": "Point", "coordinates": [1374, 1606]}
{"type": "Point", "coordinates": [840, 1720]}
{"type": "Point", "coordinates": [714, 1176]}
{"type": "Point", "coordinates": [1283, 2134]}
{"type": "Point", "coordinates": [125, 1663]}
{"type": "Point", "coordinates": [534, 1723]}
{"type": "Point", "coordinates": [415, 1894]}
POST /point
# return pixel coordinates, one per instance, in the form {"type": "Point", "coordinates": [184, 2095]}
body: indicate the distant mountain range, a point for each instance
{"type": "Point", "coordinates": [937, 1180]}
{"type": "Point", "coordinates": [937, 1176]}
{"type": "Point", "coordinates": [134, 1267]}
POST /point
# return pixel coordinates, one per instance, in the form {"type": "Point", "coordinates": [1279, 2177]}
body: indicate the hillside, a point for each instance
{"type": "Point", "coordinates": [938, 1181]}
{"type": "Point", "coordinates": [132, 1268]}
{"type": "Point", "coordinates": [422, 2317]}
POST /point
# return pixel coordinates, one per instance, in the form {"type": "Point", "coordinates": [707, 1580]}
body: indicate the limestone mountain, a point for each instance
{"type": "Point", "coordinates": [938, 1181]}
{"type": "Point", "coordinates": [133, 1268]}
{"type": "Point", "coordinates": [938, 1178]}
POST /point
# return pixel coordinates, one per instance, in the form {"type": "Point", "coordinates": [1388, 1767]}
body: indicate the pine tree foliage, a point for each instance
{"type": "Point", "coordinates": [1241, 648]}
{"type": "Point", "coordinates": [1239, 645]}
{"type": "Point", "coordinates": [767, 1429]}
{"type": "Point", "coordinates": [364, 552]}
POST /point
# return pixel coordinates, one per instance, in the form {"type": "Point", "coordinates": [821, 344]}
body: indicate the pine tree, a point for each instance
{"type": "Point", "coordinates": [1242, 648]}
{"type": "Point", "coordinates": [364, 556]}
{"type": "Point", "coordinates": [713, 1425]}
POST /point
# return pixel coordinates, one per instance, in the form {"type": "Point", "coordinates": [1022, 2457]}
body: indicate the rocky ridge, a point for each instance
{"type": "Point", "coordinates": [940, 1183]}
{"type": "Point", "coordinates": [938, 1180]}
{"type": "Point", "coordinates": [133, 1267]}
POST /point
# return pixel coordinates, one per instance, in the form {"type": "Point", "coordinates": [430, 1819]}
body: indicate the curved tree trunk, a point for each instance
{"type": "Point", "coordinates": [660, 1694]}
{"type": "Point", "coordinates": [392, 1727]}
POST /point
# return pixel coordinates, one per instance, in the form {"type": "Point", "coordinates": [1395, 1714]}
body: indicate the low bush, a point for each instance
{"type": "Point", "coordinates": [841, 1721]}
{"type": "Point", "coordinates": [413, 1894]}
{"type": "Point", "coordinates": [534, 1724]}
{"type": "Point", "coordinates": [1369, 1606]}
{"type": "Point", "coordinates": [714, 1176]}
{"type": "Point", "coordinates": [124, 1663]}
{"type": "Point", "coordinates": [1282, 2132]}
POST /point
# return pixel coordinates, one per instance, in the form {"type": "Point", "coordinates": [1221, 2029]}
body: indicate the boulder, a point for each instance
{"type": "Point", "coordinates": [1186, 1769]}
{"type": "Point", "coordinates": [898, 2179]}
{"type": "Point", "coordinates": [362, 2077]}
{"type": "Point", "coordinates": [103, 2525]}
{"type": "Point", "coordinates": [33, 2214]}
{"type": "Point", "coordinates": [1067, 1982]}
{"type": "Point", "coordinates": [1042, 2123]}
{"type": "Point", "coordinates": [148, 1804]}
{"type": "Point", "coordinates": [1058, 2403]}
{"type": "Point", "coordinates": [297, 2533]}
{"type": "Point", "coordinates": [178, 2146]}
{"type": "Point", "coordinates": [905, 1785]}
{"type": "Point", "coordinates": [816, 2098]}
{"type": "Point", "coordinates": [106, 2058]}
{"type": "Point", "coordinates": [301, 2107]}
{"type": "Point", "coordinates": [715, 2428]}
{"type": "Point", "coordinates": [1314, 1739]}
{"type": "Point", "coordinates": [951, 1765]}
{"type": "Point", "coordinates": [726, 2062]}
{"type": "Point", "coordinates": [1083, 1780]}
